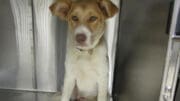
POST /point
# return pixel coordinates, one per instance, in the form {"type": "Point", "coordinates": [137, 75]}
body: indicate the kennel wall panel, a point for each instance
{"type": "Point", "coordinates": [8, 47]}
{"type": "Point", "coordinates": [141, 50]}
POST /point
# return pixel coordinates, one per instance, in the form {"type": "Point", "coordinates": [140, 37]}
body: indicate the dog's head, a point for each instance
{"type": "Point", "coordinates": [86, 19]}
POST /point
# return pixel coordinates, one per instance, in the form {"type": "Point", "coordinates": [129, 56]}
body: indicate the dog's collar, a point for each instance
{"type": "Point", "coordinates": [80, 50]}
{"type": "Point", "coordinates": [88, 51]}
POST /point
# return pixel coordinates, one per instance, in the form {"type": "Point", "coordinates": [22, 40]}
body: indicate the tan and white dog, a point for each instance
{"type": "Point", "coordinates": [86, 71]}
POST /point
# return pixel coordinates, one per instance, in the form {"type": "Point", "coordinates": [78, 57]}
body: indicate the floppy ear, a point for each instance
{"type": "Point", "coordinates": [108, 8]}
{"type": "Point", "coordinates": [60, 8]}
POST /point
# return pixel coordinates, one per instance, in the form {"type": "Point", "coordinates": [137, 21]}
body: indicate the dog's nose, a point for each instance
{"type": "Point", "coordinates": [81, 38]}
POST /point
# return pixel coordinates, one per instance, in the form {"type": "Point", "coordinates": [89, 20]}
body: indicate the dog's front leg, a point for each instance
{"type": "Point", "coordinates": [102, 88]}
{"type": "Point", "coordinates": [69, 83]}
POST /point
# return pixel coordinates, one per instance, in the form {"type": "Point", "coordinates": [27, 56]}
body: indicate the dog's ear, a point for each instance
{"type": "Point", "coordinates": [108, 8]}
{"type": "Point", "coordinates": [61, 8]}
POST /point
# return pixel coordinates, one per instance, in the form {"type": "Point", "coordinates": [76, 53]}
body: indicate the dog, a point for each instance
{"type": "Point", "coordinates": [86, 64]}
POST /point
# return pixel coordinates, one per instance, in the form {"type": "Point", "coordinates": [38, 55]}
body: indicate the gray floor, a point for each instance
{"type": "Point", "coordinates": [142, 49]}
{"type": "Point", "coordinates": [11, 95]}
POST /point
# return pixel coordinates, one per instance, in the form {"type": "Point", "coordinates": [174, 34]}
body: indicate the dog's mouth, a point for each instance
{"type": "Point", "coordinates": [82, 45]}
{"type": "Point", "coordinates": [85, 39]}
{"type": "Point", "coordinates": [88, 46]}
{"type": "Point", "coordinates": [83, 42]}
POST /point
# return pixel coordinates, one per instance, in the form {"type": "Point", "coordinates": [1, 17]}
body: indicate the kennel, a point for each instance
{"type": "Point", "coordinates": [32, 51]}
{"type": "Point", "coordinates": [142, 67]}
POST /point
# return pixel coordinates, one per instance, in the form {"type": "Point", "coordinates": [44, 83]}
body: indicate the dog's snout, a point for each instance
{"type": "Point", "coordinates": [81, 38]}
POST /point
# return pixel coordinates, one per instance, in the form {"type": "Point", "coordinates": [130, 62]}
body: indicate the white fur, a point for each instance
{"type": "Point", "coordinates": [87, 70]}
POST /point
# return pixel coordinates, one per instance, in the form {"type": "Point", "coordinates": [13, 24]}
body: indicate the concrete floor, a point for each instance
{"type": "Point", "coordinates": [11, 95]}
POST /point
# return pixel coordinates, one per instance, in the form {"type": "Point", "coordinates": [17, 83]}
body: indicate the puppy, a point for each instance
{"type": "Point", "coordinates": [86, 71]}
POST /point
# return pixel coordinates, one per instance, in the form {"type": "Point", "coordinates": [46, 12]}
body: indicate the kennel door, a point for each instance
{"type": "Point", "coordinates": [173, 58]}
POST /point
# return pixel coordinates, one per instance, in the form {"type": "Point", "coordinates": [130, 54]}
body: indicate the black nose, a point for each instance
{"type": "Point", "coordinates": [81, 38]}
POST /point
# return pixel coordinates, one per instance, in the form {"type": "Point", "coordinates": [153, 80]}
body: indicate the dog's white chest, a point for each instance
{"type": "Point", "coordinates": [86, 73]}
{"type": "Point", "coordinates": [86, 69]}
{"type": "Point", "coordinates": [87, 84]}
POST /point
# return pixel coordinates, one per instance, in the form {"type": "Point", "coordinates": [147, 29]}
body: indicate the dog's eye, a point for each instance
{"type": "Point", "coordinates": [92, 18]}
{"type": "Point", "coordinates": [75, 18]}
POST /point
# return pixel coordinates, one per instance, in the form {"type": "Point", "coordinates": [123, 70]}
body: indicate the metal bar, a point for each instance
{"type": "Point", "coordinates": [172, 61]}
